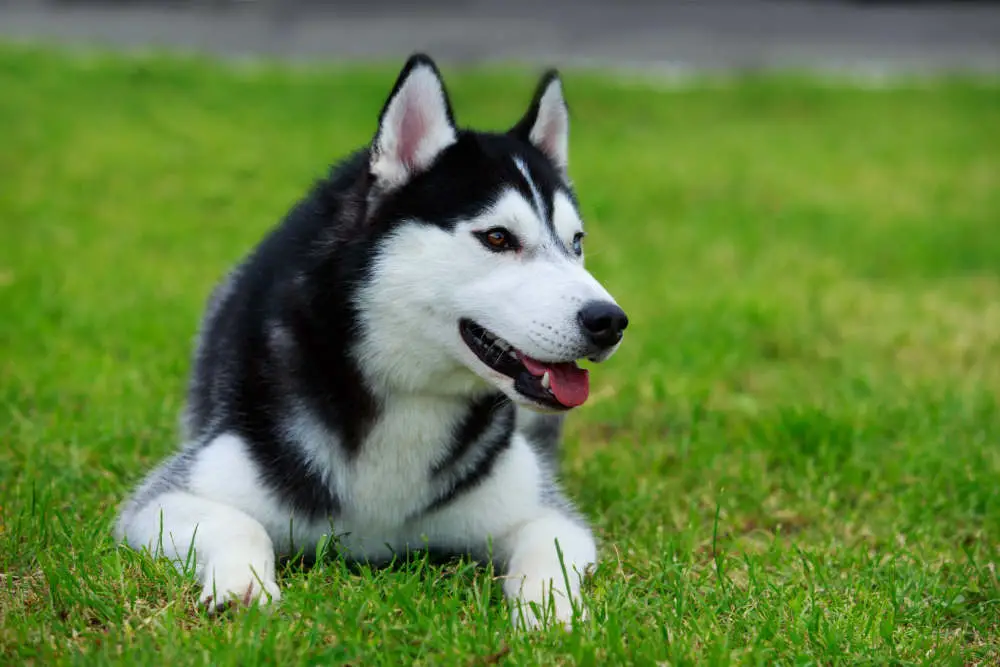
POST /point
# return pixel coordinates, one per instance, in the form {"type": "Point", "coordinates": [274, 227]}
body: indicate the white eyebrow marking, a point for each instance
{"type": "Point", "coordinates": [565, 219]}
{"type": "Point", "coordinates": [539, 205]}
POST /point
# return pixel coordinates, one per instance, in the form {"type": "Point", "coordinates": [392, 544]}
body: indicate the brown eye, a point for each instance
{"type": "Point", "coordinates": [499, 239]}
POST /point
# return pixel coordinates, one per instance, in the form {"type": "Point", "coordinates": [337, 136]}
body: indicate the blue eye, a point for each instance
{"type": "Point", "coordinates": [578, 243]}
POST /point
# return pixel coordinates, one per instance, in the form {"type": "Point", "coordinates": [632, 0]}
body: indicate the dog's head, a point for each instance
{"type": "Point", "coordinates": [478, 278]}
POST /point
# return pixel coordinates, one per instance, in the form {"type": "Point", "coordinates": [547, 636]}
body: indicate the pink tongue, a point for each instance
{"type": "Point", "coordinates": [569, 383]}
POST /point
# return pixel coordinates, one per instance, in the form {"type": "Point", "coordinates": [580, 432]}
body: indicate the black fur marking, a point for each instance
{"type": "Point", "coordinates": [472, 428]}
{"type": "Point", "coordinates": [544, 433]}
{"type": "Point", "coordinates": [490, 424]}
{"type": "Point", "coordinates": [467, 178]}
{"type": "Point", "coordinates": [548, 204]}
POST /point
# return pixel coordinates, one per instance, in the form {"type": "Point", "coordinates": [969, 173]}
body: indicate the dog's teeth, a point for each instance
{"type": "Point", "coordinates": [545, 380]}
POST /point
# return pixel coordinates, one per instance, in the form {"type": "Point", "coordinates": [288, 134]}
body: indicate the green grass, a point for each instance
{"type": "Point", "coordinates": [794, 458]}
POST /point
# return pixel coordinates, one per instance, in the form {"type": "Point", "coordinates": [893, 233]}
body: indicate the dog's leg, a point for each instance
{"type": "Point", "coordinates": [548, 555]}
{"type": "Point", "coordinates": [519, 519]}
{"type": "Point", "coordinates": [548, 558]}
{"type": "Point", "coordinates": [232, 553]}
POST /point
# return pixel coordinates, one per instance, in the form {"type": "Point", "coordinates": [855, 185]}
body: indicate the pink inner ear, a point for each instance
{"type": "Point", "coordinates": [548, 136]}
{"type": "Point", "coordinates": [412, 129]}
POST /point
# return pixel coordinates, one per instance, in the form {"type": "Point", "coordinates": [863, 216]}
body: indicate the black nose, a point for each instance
{"type": "Point", "coordinates": [603, 323]}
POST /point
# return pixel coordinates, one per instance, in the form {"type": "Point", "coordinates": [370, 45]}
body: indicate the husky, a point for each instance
{"type": "Point", "coordinates": [390, 367]}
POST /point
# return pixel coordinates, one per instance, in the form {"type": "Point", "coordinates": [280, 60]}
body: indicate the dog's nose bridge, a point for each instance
{"type": "Point", "coordinates": [568, 280]}
{"type": "Point", "coordinates": [592, 289]}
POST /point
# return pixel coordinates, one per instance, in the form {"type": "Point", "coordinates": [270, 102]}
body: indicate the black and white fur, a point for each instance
{"type": "Point", "coordinates": [333, 394]}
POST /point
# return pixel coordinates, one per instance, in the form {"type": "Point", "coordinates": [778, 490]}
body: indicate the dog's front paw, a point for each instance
{"type": "Point", "coordinates": [549, 559]}
{"type": "Point", "coordinates": [240, 586]}
{"type": "Point", "coordinates": [540, 604]}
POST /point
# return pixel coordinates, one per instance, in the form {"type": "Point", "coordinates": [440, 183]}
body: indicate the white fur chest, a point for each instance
{"type": "Point", "coordinates": [389, 479]}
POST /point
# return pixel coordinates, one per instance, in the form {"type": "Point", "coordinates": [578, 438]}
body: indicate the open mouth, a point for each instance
{"type": "Point", "coordinates": [559, 385]}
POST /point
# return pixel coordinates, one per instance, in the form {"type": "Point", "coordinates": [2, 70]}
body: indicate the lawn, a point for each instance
{"type": "Point", "coordinates": [793, 459]}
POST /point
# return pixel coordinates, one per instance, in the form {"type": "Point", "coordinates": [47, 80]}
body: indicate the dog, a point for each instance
{"type": "Point", "coordinates": [390, 367]}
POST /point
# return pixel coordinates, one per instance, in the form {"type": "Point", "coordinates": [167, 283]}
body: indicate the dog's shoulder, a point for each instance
{"type": "Point", "coordinates": [253, 329]}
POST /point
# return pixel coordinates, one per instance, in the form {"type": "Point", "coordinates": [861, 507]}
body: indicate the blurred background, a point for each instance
{"type": "Point", "coordinates": [871, 35]}
{"type": "Point", "coordinates": [793, 458]}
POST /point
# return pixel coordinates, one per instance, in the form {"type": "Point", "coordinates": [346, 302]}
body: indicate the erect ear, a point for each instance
{"type": "Point", "coordinates": [416, 124]}
{"type": "Point", "coordinates": [546, 123]}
